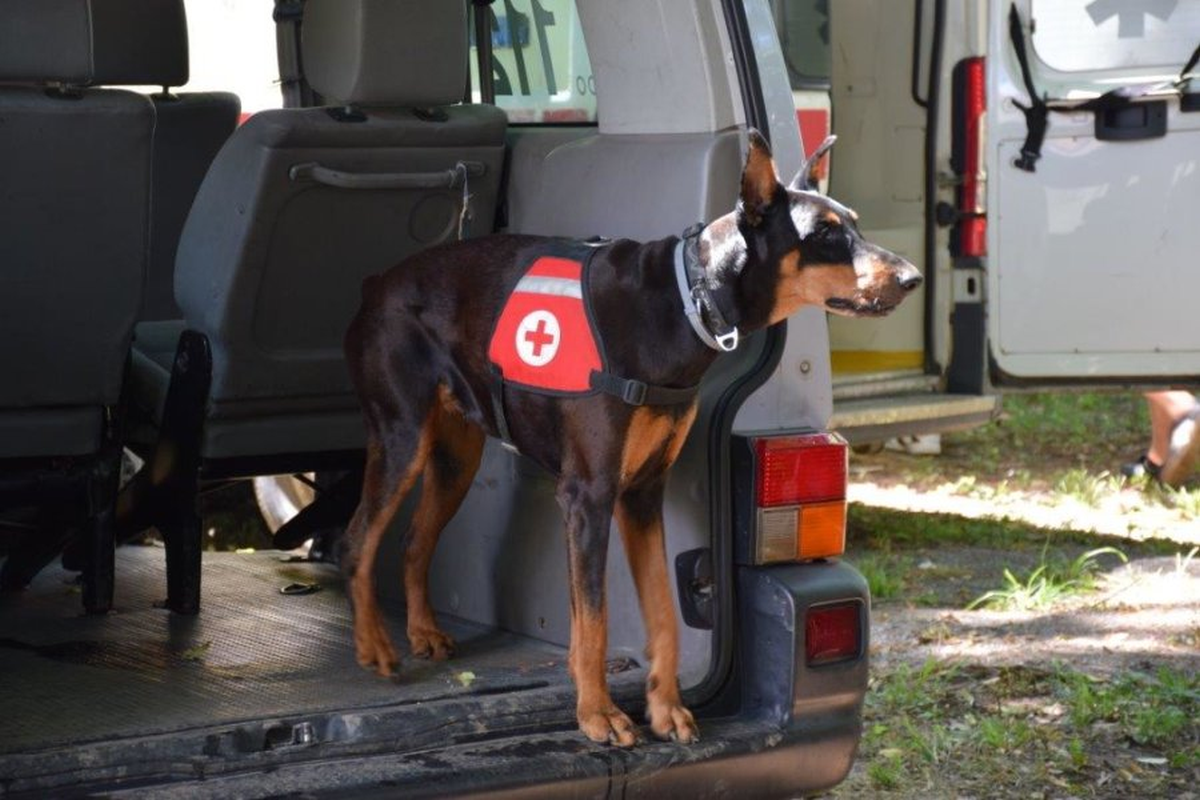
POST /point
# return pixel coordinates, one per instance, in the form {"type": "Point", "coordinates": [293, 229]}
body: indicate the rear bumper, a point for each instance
{"type": "Point", "coordinates": [797, 729]}
{"type": "Point", "coordinates": [778, 729]}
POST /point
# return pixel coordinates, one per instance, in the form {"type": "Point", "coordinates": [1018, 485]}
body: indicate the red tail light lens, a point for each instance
{"type": "Point", "coordinates": [801, 469]}
{"type": "Point", "coordinates": [800, 495]}
{"type": "Point", "coordinates": [970, 102]}
{"type": "Point", "coordinates": [833, 633]}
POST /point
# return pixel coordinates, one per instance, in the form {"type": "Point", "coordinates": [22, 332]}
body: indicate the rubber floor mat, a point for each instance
{"type": "Point", "coordinates": [254, 652]}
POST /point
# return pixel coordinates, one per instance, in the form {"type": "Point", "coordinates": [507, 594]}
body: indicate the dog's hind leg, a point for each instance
{"type": "Point", "coordinates": [454, 453]}
{"type": "Point", "coordinates": [399, 410]}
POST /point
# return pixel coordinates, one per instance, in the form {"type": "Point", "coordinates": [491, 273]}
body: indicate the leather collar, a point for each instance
{"type": "Point", "coordinates": [699, 305]}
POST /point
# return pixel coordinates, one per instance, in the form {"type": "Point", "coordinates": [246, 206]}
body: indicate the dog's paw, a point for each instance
{"type": "Point", "coordinates": [374, 649]}
{"type": "Point", "coordinates": [672, 721]}
{"type": "Point", "coordinates": [430, 643]}
{"type": "Point", "coordinates": [609, 725]}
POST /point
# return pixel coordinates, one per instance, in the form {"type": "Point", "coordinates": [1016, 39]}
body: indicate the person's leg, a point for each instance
{"type": "Point", "coordinates": [1174, 434]}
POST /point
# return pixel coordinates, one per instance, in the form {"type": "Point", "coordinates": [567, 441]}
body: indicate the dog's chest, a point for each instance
{"type": "Point", "coordinates": [545, 337]}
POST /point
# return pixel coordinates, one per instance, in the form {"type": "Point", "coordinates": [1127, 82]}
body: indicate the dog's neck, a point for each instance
{"type": "Point", "coordinates": [725, 256]}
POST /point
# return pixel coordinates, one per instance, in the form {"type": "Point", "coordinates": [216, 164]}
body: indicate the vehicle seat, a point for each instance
{"type": "Point", "coordinates": [76, 167]}
{"type": "Point", "coordinates": [75, 162]}
{"type": "Point", "coordinates": [302, 204]}
{"type": "Point", "coordinates": [191, 127]}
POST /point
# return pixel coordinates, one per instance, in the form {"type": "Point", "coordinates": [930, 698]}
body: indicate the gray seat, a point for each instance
{"type": "Point", "coordinates": [302, 204]}
{"type": "Point", "coordinates": [74, 202]}
{"type": "Point", "coordinates": [298, 207]}
{"type": "Point", "coordinates": [76, 163]}
{"type": "Point", "coordinates": [190, 128]}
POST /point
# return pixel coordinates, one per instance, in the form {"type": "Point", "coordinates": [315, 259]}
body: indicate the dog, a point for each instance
{"type": "Point", "coordinates": [427, 353]}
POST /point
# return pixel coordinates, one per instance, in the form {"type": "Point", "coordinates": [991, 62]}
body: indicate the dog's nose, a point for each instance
{"type": "Point", "coordinates": [909, 281]}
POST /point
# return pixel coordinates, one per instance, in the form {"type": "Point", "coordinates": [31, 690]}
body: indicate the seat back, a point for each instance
{"type": "Point", "coordinates": [302, 204]}
{"type": "Point", "coordinates": [74, 196]}
{"type": "Point", "coordinates": [190, 128]}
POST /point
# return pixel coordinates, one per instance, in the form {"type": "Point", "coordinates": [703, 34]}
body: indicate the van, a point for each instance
{"type": "Point", "coordinates": [258, 693]}
{"type": "Point", "coordinates": [1063, 261]}
{"type": "Point", "coordinates": [235, 676]}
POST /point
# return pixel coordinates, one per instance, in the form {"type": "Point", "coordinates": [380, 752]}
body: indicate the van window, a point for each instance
{"type": "Point", "coordinates": [540, 67]}
{"type": "Point", "coordinates": [232, 49]}
{"type": "Point", "coordinates": [1093, 35]}
{"type": "Point", "coordinates": [803, 27]}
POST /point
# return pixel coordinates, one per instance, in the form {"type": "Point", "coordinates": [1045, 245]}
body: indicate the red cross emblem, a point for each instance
{"type": "Point", "coordinates": [538, 336]}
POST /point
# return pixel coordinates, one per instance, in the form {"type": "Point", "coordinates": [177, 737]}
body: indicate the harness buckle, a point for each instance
{"type": "Point", "coordinates": [634, 393]}
{"type": "Point", "coordinates": [728, 342]}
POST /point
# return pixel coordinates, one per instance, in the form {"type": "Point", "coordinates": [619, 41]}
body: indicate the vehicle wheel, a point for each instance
{"type": "Point", "coordinates": [281, 497]}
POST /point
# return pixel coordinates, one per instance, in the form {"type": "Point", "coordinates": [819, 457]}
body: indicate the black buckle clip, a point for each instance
{"type": "Point", "coordinates": [1027, 160]}
{"type": "Point", "coordinates": [634, 393]}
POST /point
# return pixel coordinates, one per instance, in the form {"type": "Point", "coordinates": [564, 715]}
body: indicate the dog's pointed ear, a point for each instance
{"type": "Point", "coordinates": [806, 179]}
{"type": "Point", "coordinates": [760, 181]}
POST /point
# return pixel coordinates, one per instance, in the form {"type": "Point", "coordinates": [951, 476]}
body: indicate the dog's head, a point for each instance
{"type": "Point", "coordinates": [803, 248]}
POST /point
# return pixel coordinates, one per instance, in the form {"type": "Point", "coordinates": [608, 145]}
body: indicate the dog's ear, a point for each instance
{"type": "Point", "coordinates": [760, 181]}
{"type": "Point", "coordinates": [806, 179]}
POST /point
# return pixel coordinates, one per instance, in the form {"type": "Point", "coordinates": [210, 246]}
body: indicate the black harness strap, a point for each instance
{"type": "Point", "coordinates": [1037, 111]}
{"type": "Point", "coordinates": [640, 393]}
{"type": "Point", "coordinates": [496, 389]}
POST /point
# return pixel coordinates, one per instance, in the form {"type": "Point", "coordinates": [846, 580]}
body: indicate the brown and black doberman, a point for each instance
{"type": "Point", "coordinates": [418, 352]}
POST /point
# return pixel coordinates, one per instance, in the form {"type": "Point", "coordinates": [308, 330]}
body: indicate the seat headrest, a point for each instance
{"type": "Point", "coordinates": [94, 42]}
{"type": "Point", "coordinates": [407, 53]}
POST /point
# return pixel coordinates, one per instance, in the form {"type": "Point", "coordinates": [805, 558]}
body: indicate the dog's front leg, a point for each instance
{"type": "Point", "coordinates": [587, 508]}
{"type": "Point", "coordinates": [640, 518]}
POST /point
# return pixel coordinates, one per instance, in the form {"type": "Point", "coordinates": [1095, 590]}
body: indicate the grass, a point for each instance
{"type": "Point", "coordinates": [970, 730]}
{"type": "Point", "coordinates": [1050, 582]}
{"type": "Point", "coordinates": [887, 575]}
{"type": "Point", "coordinates": [1087, 487]}
{"type": "Point", "coordinates": [1158, 710]}
{"type": "Point", "coordinates": [886, 530]}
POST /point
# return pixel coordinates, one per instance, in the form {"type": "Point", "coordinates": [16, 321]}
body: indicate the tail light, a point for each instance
{"type": "Point", "coordinates": [833, 633]}
{"type": "Point", "coordinates": [967, 156]}
{"type": "Point", "coordinates": [800, 497]}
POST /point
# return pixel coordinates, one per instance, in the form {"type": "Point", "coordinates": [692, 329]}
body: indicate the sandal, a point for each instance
{"type": "Point", "coordinates": [1142, 467]}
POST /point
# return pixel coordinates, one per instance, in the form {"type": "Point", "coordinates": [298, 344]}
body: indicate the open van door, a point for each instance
{"type": "Point", "coordinates": [1093, 249]}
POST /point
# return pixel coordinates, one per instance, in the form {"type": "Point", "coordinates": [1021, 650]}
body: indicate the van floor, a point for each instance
{"type": "Point", "coordinates": [252, 654]}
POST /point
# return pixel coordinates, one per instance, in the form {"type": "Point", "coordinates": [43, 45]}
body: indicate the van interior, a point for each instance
{"type": "Point", "coordinates": [177, 277]}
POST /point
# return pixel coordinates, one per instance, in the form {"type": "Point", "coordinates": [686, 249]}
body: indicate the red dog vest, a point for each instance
{"type": "Point", "coordinates": [544, 338]}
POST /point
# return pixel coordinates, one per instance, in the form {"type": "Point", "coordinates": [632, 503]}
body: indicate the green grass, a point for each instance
{"type": "Point", "coordinates": [971, 730]}
{"type": "Point", "coordinates": [887, 530]}
{"type": "Point", "coordinates": [1050, 582]}
{"type": "Point", "coordinates": [1086, 487]}
{"type": "Point", "coordinates": [1158, 711]}
{"type": "Point", "coordinates": [886, 574]}
{"type": "Point", "coordinates": [1094, 428]}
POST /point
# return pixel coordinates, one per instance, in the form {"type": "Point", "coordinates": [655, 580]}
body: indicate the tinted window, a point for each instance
{"type": "Point", "coordinates": [803, 27]}
{"type": "Point", "coordinates": [540, 67]}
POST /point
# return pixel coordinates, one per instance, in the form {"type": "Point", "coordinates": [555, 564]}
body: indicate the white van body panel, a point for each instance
{"type": "Point", "coordinates": [1094, 266]}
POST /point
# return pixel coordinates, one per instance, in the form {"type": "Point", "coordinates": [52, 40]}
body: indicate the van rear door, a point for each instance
{"type": "Point", "coordinates": [1094, 271]}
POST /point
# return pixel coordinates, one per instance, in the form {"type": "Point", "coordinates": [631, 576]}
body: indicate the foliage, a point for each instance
{"type": "Point", "coordinates": [1048, 584]}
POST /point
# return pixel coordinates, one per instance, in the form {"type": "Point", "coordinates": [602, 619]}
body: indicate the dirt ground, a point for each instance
{"type": "Point", "coordinates": [1084, 690]}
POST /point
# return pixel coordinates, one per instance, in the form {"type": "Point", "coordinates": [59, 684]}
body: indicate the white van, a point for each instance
{"type": "Point", "coordinates": [1078, 269]}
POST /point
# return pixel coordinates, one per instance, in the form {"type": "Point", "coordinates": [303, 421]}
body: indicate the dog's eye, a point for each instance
{"type": "Point", "coordinates": [828, 231]}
